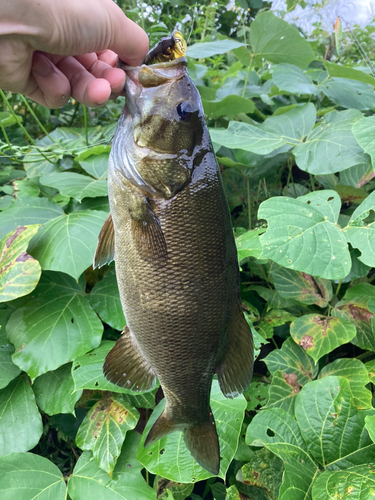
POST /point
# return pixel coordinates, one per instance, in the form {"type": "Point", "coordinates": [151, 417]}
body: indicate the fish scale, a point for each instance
{"type": "Point", "coordinates": [176, 263]}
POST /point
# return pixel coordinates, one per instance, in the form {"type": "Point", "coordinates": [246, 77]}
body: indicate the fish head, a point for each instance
{"type": "Point", "coordinates": [165, 107]}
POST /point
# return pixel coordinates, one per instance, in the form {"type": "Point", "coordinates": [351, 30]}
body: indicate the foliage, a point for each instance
{"type": "Point", "coordinates": [292, 129]}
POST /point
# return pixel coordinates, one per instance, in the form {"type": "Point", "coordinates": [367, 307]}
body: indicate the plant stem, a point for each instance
{"type": "Point", "coordinates": [85, 123]}
{"type": "Point", "coordinates": [312, 182]}
{"type": "Point", "coordinates": [35, 117]}
{"type": "Point", "coordinates": [247, 75]}
{"type": "Point", "coordinates": [248, 201]}
{"type": "Point", "coordinates": [6, 137]}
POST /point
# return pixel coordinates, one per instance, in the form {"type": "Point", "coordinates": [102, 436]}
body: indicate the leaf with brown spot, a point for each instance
{"type": "Point", "coordinates": [283, 391]}
{"type": "Point", "coordinates": [164, 487]}
{"type": "Point", "coordinates": [104, 429]}
{"type": "Point", "coordinates": [264, 470]}
{"type": "Point", "coordinates": [19, 272]}
{"type": "Point", "coordinates": [319, 335]}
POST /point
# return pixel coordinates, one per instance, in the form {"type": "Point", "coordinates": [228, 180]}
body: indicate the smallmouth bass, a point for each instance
{"type": "Point", "coordinates": [170, 234]}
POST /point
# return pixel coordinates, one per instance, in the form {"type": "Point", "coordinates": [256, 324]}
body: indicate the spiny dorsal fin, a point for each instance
{"type": "Point", "coordinates": [105, 249]}
{"type": "Point", "coordinates": [236, 370]}
{"type": "Point", "coordinates": [126, 367]}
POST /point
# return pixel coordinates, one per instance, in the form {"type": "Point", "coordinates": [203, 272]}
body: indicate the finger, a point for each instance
{"type": "Point", "coordinates": [85, 88]}
{"type": "Point", "coordinates": [51, 87]}
{"type": "Point", "coordinates": [100, 69]}
{"type": "Point", "coordinates": [108, 56]}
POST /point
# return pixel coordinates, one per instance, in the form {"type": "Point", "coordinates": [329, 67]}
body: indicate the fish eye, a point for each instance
{"type": "Point", "coordinates": [184, 111]}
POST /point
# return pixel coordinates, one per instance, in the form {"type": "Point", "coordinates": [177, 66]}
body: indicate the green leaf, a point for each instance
{"type": "Point", "coordinates": [75, 185]}
{"type": "Point", "coordinates": [176, 462]}
{"type": "Point", "coordinates": [333, 429]}
{"type": "Point", "coordinates": [20, 420]}
{"type": "Point", "coordinates": [283, 391]}
{"type": "Point", "coordinates": [300, 237]}
{"type": "Point", "coordinates": [319, 335]}
{"type": "Point", "coordinates": [27, 211]}
{"type": "Point", "coordinates": [163, 487]}
{"type": "Point", "coordinates": [356, 374]}
{"type": "Point", "coordinates": [56, 325]}
{"type": "Point", "coordinates": [331, 147]}
{"type": "Point", "coordinates": [301, 286]}
{"type": "Point", "coordinates": [277, 41]}
{"type": "Point", "coordinates": [276, 131]}
{"type": "Point", "coordinates": [105, 300]}
{"type": "Point", "coordinates": [354, 483]}
{"type": "Point", "coordinates": [279, 432]}
{"type": "Point", "coordinates": [68, 243]}
{"type": "Point", "coordinates": [8, 370]}
{"type": "Point", "coordinates": [363, 131]}
{"type": "Point", "coordinates": [350, 194]}
{"type": "Point", "coordinates": [370, 426]}
{"type": "Point", "coordinates": [37, 164]}
{"type": "Point", "coordinates": [209, 49]}
{"type": "Point", "coordinates": [291, 358]}
{"type": "Point", "coordinates": [344, 71]}
{"type": "Point", "coordinates": [104, 429]}
{"type": "Point", "coordinates": [360, 233]}
{"type": "Point", "coordinates": [256, 394]}
{"type": "Point", "coordinates": [264, 470]}
{"type": "Point", "coordinates": [19, 272]}
{"type": "Point", "coordinates": [54, 391]}
{"type": "Point", "coordinates": [292, 79]}
{"type": "Point", "coordinates": [230, 105]}
{"type": "Point", "coordinates": [8, 119]}
{"type": "Point", "coordinates": [95, 164]}
{"type": "Point", "coordinates": [349, 93]}
{"type": "Point", "coordinates": [127, 482]}
{"type": "Point", "coordinates": [248, 244]}
{"type": "Point", "coordinates": [272, 319]}
{"type": "Point", "coordinates": [25, 476]}
{"type": "Point", "coordinates": [359, 175]}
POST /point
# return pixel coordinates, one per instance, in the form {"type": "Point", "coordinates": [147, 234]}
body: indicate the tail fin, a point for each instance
{"type": "Point", "coordinates": [200, 439]}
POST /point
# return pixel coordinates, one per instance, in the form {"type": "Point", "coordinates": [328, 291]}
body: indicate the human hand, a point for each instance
{"type": "Point", "coordinates": [51, 50]}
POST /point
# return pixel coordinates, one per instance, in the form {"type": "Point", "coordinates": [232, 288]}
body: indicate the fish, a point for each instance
{"type": "Point", "coordinates": [169, 232]}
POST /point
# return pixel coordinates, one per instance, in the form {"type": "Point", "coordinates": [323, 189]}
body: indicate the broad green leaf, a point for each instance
{"type": "Point", "coordinates": [356, 374]}
{"type": "Point", "coordinates": [361, 233]}
{"type": "Point", "coordinates": [104, 429]}
{"type": "Point", "coordinates": [370, 367]}
{"type": "Point", "coordinates": [272, 319]}
{"type": "Point", "coordinates": [75, 185]}
{"type": "Point", "coordinates": [264, 470]}
{"type": "Point", "coordinates": [230, 105]}
{"type": "Point", "coordinates": [331, 147]}
{"type": "Point", "coordinates": [363, 131]}
{"type": "Point", "coordinates": [93, 151]}
{"type": "Point", "coordinates": [25, 188]}
{"type": "Point", "coordinates": [290, 78]}
{"type": "Point", "coordinates": [370, 426]}
{"type": "Point", "coordinates": [319, 335]}
{"type": "Point", "coordinates": [8, 119]}
{"type": "Point", "coordinates": [272, 297]}
{"type": "Point", "coordinates": [349, 93]}
{"type": "Point", "coordinates": [279, 432]}
{"type": "Point", "coordinates": [20, 420]}
{"type": "Point", "coordinates": [354, 483]}
{"type": "Point", "coordinates": [299, 237]}
{"type": "Point", "coordinates": [350, 194]}
{"type": "Point", "coordinates": [359, 175]}
{"type": "Point", "coordinates": [332, 427]}
{"type": "Point", "coordinates": [37, 164]}
{"type": "Point", "coordinates": [327, 202]}
{"type": "Point", "coordinates": [301, 286]}
{"type": "Point", "coordinates": [25, 476]}
{"type": "Point", "coordinates": [277, 41]}
{"type": "Point", "coordinates": [68, 243]}
{"type": "Point", "coordinates": [27, 211]}
{"type": "Point", "coordinates": [292, 358]}
{"type": "Point", "coordinates": [88, 481]}
{"type": "Point", "coordinates": [209, 49]}
{"type": "Point", "coordinates": [54, 391]}
{"type": "Point", "coordinates": [176, 462]}
{"type": "Point", "coordinates": [105, 300]}
{"type": "Point", "coordinates": [8, 370]}
{"type": "Point", "coordinates": [19, 272]}
{"type": "Point", "coordinates": [357, 310]}
{"type": "Point", "coordinates": [87, 372]}
{"type": "Point", "coordinates": [180, 491]}
{"type": "Point", "coordinates": [276, 131]}
{"type": "Point", "coordinates": [95, 164]}
{"type": "Point", "coordinates": [344, 71]}
{"type": "Point", "coordinates": [248, 244]}
{"type": "Point", "coordinates": [256, 394]}
{"type": "Point", "coordinates": [55, 326]}
{"type": "Point", "coordinates": [283, 391]}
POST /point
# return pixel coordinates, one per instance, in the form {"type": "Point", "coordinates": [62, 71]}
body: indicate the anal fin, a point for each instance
{"type": "Point", "coordinates": [126, 367]}
{"type": "Point", "coordinates": [236, 369]}
{"type": "Point", "coordinates": [105, 250]}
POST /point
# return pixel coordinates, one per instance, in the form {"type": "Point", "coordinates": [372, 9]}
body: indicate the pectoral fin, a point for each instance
{"type": "Point", "coordinates": [105, 250]}
{"type": "Point", "coordinates": [126, 367]}
{"type": "Point", "coordinates": [236, 370]}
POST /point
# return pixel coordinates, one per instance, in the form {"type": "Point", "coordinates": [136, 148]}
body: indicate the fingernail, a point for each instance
{"type": "Point", "coordinates": [42, 65]}
{"type": "Point", "coordinates": [100, 103]}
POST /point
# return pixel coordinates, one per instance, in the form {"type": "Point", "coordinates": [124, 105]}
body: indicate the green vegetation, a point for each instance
{"type": "Point", "coordinates": [292, 122]}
